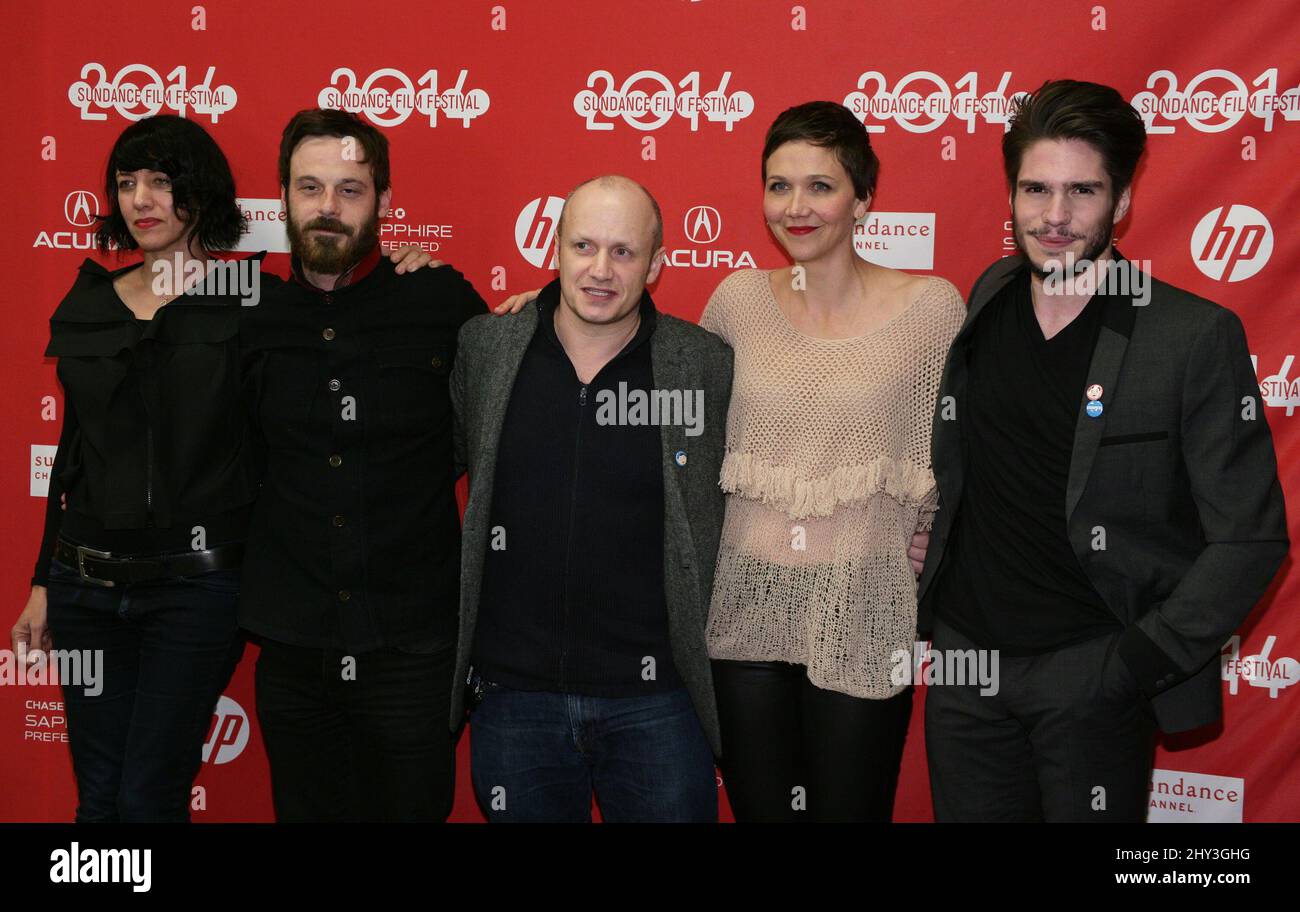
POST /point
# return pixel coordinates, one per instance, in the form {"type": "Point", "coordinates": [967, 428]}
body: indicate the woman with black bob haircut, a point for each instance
{"type": "Point", "coordinates": [202, 187]}
{"type": "Point", "coordinates": [156, 465]}
{"type": "Point", "coordinates": [139, 575]}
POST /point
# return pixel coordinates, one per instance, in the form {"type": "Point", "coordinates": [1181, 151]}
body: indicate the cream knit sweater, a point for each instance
{"type": "Point", "coordinates": [827, 474]}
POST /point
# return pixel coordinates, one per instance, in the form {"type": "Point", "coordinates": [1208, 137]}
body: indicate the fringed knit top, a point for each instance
{"type": "Point", "coordinates": [827, 475]}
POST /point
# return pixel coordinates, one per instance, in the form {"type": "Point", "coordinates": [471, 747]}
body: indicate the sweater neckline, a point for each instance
{"type": "Point", "coordinates": [784, 321]}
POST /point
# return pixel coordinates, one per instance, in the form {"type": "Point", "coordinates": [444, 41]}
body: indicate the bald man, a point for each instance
{"type": "Point", "coordinates": [592, 427]}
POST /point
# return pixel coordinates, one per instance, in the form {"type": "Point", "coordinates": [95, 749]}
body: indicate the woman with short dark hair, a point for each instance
{"type": "Point", "coordinates": [827, 474]}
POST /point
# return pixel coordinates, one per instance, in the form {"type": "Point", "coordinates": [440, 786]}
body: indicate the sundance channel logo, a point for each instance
{"type": "Point", "coordinates": [1181, 797]}
{"type": "Point", "coordinates": [266, 225]}
{"type": "Point", "coordinates": [41, 465]}
{"type": "Point", "coordinates": [899, 240]}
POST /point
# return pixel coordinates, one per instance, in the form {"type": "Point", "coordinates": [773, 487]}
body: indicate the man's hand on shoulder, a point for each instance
{"type": "Point", "coordinates": [516, 303]}
{"type": "Point", "coordinates": [409, 259]}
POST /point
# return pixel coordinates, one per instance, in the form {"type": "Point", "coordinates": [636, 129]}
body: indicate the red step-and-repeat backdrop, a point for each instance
{"type": "Point", "coordinates": [495, 110]}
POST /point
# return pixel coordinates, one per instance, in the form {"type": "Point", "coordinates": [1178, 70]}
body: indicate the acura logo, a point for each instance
{"type": "Point", "coordinates": [703, 224]}
{"type": "Point", "coordinates": [80, 208]}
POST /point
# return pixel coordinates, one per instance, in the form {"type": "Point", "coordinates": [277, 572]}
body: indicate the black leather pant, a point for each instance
{"type": "Point", "coordinates": [794, 752]}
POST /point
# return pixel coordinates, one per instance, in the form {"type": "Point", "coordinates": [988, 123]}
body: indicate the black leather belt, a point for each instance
{"type": "Point", "coordinates": [104, 569]}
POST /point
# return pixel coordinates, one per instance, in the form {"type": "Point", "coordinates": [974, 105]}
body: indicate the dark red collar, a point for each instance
{"type": "Point", "coordinates": [350, 276]}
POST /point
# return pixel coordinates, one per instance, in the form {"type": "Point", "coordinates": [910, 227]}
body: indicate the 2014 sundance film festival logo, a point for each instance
{"type": "Point", "coordinates": [702, 226]}
{"type": "Point", "coordinates": [1213, 101]}
{"type": "Point", "coordinates": [1279, 390]}
{"type": "Point", "coordinates": [1261, 669]}
{"type": "Point", "coordinates": [535, 230]}
{"type": "Point", "coordinates": [80, 209]}
{"type": "Point", "coordinates": [922, 101]}
{"type": "Point", "coordinates": [388, 97]}
{"type": "Point", "coordinates": [646, 100]}
{"type": "Point", "coordinates": [1232, 243]}
{"type": "Point", "coordinates": [228, 734]}
{"type": "Point", "coordinates": [138, 91]}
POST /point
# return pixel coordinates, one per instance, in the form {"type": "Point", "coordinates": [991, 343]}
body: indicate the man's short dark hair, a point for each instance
{"type": "Point", "coordinates": [831, 126]}
{"type": "Point", "coordinates": [329, 122]}
{"type": "Point", "coordinates": [1093, 113]}
{"type": "Point", "coordinates": [203, 189]}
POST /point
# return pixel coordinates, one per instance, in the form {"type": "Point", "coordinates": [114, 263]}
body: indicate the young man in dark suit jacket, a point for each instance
{"type": "Point", "coordinates": [1110, 502]}
{"type": "Point", "coordinates": [593, 429]}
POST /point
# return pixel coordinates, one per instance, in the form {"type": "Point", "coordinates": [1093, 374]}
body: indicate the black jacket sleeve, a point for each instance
{"type": "Point", "coordinates": [53, 506]}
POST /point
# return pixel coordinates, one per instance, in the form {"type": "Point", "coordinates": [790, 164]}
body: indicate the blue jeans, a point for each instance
{"type": "Point", "coordinates": [169, 649]}
{"type": "Point", "coordinates": [537, 757]}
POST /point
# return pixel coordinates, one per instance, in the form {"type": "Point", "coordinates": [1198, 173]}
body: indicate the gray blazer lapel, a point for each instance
{"type": "Point", "coordinates": [671, 372]}
{"type": "Point", "coordinates": [1107, 359]}
{"type": "Point", "coordinates": [501, 353]}
{"type": "Point", "coordinates": [494, 396]}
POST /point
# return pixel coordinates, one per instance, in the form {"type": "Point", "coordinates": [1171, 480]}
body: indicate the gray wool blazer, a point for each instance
{"type": "Point", "coordinates": [683, 356]}
{"type": "Point", "coordinates": [1178, 470]}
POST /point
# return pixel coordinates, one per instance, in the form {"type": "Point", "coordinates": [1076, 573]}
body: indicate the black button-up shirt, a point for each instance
{"type": "Point", "coordinates": [355, 537]}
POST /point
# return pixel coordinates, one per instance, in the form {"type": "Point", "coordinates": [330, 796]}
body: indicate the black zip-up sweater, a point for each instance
{"type": "Point", "coordinates": [573, 590]}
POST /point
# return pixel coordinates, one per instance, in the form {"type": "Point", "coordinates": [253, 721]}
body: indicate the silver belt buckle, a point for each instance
{"type": "Point", "coordinates": [82, 551]}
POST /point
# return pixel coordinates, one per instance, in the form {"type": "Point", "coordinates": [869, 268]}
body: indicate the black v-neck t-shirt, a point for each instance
{"type": "Point", "coordinates": [1011, 580]}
